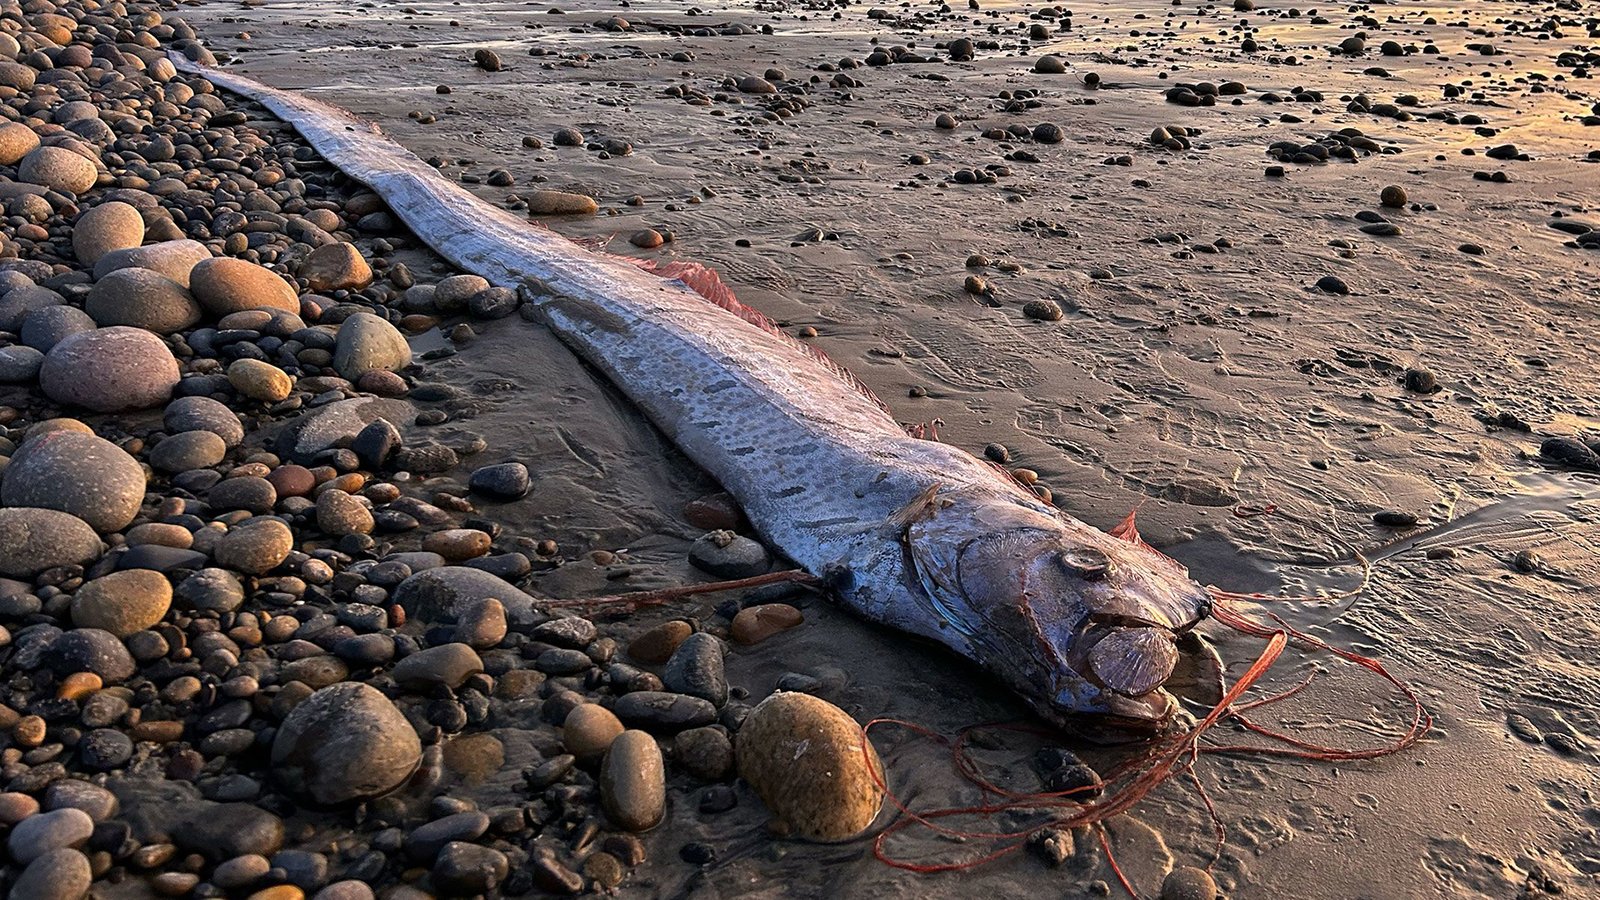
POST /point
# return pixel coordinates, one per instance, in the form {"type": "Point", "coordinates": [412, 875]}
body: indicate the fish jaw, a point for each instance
{"type": "Point", "coordinates": [1083, 625]}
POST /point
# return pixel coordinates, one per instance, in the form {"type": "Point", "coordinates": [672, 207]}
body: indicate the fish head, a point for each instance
{"type": "Point", "coordinates": [1082, 624]}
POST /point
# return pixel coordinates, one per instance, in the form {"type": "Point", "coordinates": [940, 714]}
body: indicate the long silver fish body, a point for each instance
{"type": "Point", "coordinates": [915, 534]}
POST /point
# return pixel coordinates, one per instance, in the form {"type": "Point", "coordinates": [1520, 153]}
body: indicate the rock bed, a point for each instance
{"type": "Point", "coordinates": [251, 624]}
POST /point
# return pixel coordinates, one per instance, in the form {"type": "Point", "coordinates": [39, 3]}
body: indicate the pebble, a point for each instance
{"type": "Point", "coordinates": [633, 782]}
{"type": "Point", "coordinates": [143, 300]}
{"type": "Point", "coordinates": [705, 753]}
{"type": "Point", "coordinates": [114, 369]}
{"type": "Point", "coordinates": [259, 380]}
{"type": "Point", "coordinates": [447, 664]}
{"type": "Point", "coordinates": [1043, 310]}
{"type": "Point", "coordinates": [16, 139]}
{"type": "Point", "coordinates": [40, 539]}
{"type": "Point", "coordinates": [80, 474]}
{"type": "Point", "coordinates": [561, 203]}
{"type": "Point", "coordinates": [173, 259]}
{"type": "Point", "coordinates": [446, 591]}
{"type": "Point", "coordinates": [729, 555]}
{"type": "Point", "coordinates": [112, 225]}
{"type": "Point", "coordinates": [39, 834]}
{"type": "Point", "coordinates": [203, 414]}
{"type": "Point", "coordinates": [122, 602]}
{"type": "Point", "coordinates": [755, 624]}
{"type": "Point", "coordinates": [255, 546]}
{"type": "Point", "coordinates": [483, 625]}
{"type": "Point", "coordinates": [224, 285]}
{"type": "Point", "coordinates": [188, 450]}
{"type": "Point", "coordinates": [339, 514]}
{"type": "Point", "coordinates": [588, 730]}
{"type": "Point", "coordinates": [43, 328]}
{"type": "Point", "coordinates": [20, 364]}
{"type": "Point", "coordinates": [503, 481]}
{"type": "Point", "coordinates": [366, 343]}
{"type": "Point", "coordinates": [696, 669]}
{"type": "Point", "coordinates": [346, 742]}
{"type": "Point", "coordinates": [60, 874]}
{"type": "Point", "coordinates": [804, 758]}
{"type": "Point", "coordinates": [458, 544]}
{"type": "Point", "coordinates": [59, 169]}
{"type": "Point", "coordinates": [663, 711]}
{"type": "Point", "coordinates": [1332, 284]}
{"type": "Point", "coordinates": [1393, 197]}
{"type": "Point", "coordinates": [464, 869]}
{"type": "Point", "coordinates": [1050, 65]}
{"type": "Point", "coordinates": [657, 645]}
{"type": "Point", "coordinates": [336, 267]}
{"type": "Point", "coordinates": [1189, 883]}
{"type": "Point", "coordinates": [220, 831]}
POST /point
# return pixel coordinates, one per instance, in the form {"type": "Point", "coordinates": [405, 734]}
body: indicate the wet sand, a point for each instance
{"type": "Point", "coordinates": [1179, 381]}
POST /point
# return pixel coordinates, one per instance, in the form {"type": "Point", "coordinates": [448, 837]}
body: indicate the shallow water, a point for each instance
{"type": "Point", "coordinates": [1184, 387]}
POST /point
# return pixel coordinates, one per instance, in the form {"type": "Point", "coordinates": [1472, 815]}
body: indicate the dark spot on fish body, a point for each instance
{"type": "Point", "coordinates": [829, 523]}
{"type": "Point", "coordinates": [741, 451]}
{"type": "Point", "coordinates": [796, 450]}
{"type": "Point", "coordinates": [789, 491]}
{"type": "Point", "coordinates": [585, 313]}
{"type": "Point", "coordinates": [719, 387]}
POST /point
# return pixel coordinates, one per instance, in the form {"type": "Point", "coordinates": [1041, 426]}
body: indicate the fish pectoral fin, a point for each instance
{"type": "Point", "coordinates": [914, 510]}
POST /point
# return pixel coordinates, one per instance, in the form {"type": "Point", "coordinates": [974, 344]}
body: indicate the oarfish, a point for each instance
{"type": "Point", "coordinates": [915, 534]}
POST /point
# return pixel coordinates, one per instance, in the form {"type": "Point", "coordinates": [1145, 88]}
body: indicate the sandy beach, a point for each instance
{"type": "Point", "coordinates": [1155, 298]}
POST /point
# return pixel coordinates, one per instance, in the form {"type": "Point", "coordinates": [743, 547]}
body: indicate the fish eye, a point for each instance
{"type": "Point", "coordinates": [1086, 563]}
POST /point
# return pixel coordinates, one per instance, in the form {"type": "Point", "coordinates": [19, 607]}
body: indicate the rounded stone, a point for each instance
{"type": "Point", "coordinates": [19, 364]}
{"type": "Point", "coordinates": [40, 539]}
{"type": "Point", "coordinates": [259, 380]}
{"type": "Point", "coordinates": [255, 546]}
{"type": "Point", "coordinates": [143, 299]}
{"type": "Point", "coordinates": [345, 743]}
{"type": "Point", "coordinates": [696, 669]}
{"type": "Point", "coordinates": [214, 590]}
{"type": "Point", "coordinates": [112, 225]}
{"type": "Point", "coordinates": [452, 294]}
{"type": "Point", "coordinates": [561, 203]}
{"type": "Point", "coordinates": [80, 474]}
{"type": "Point", "coordinates": [114, 369]}
{"type": "Point", "coordinates": [60, 874]}
{"type": "Point", "coordinates": [174, 259]}
{"type": "Point", "coordinates": [41, 834]}
{"type": "Point", "coordinates": [203, 414]}
{"type": "Point", "coordinates": [336, 267]}
{"type": "Point", "coordinates": [367, 343]}
{"type": "Point", "coordinates": [225, 285]}
{"type": "Point", "coordinates": [1050, 65]}
{"type": "Point", "coordinates": [340, 514]}
{"type": "Point", "coordinates": [246, 492]}
{"type": "Point", "coordinates": [729, 555]}
{"type": "Point", "coordinates": [1189, 883]}
{"type": "Point", "coordinates": [463, 869]}
{"type": "Point", "coordinates": [21, 301]}
{"type": "Point", "coordinates": [123, 602]}
{"type": "Point", "coordinates": [633, 782]}
{"type": "Point", "coordinates": [483, 625]}
{"type": "Point", "coordinates": [92, 650]}
{"type": "Point", "coordinates": [16, 141]}
{"type": "Point", "coordinates": [755, 624]}
{"type": "Point", "coordinates": [1394, 197]}
{"type": "Point", "coordinates": [587, 731]}
{"type": "Point", "coordinates": [59, 169]}
{"type": "Point", "coordinates": [706, 753]}
{"type": "Point", "coordinates": [188, 450]}
{"type": "Point", "coordinates": [657, 645]}
{"type": "Point", "coordinates": [504, 481]}
{"type": "Point", "coordinates": [44, 328]}
{"type": "Point", "coordinates": [447, 664]}
{"type": "Point", "coordinates": [812, 765]}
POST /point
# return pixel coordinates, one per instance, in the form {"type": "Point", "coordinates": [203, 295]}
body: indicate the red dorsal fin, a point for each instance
{"type": "Point", "coordinates": [708, 284]}
{"type": "Point", "coordinates": [1128, 530]}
